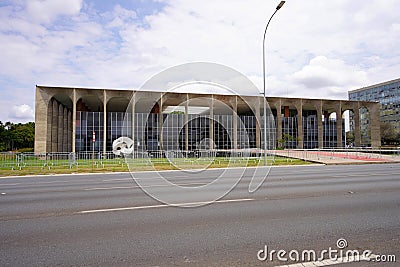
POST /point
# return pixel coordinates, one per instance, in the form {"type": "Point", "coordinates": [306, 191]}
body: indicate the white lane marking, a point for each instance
{"type": "Point", "coordinates": [329, 262]}
{"type": "Point", "coordinates": [145, 186]}
{"type": "Point", "coordinates": [3, 193]}
{"type": "Point", "coordinates": [51, 182]}
{"type": "Point", "coordinates": [164, 205]}
{"type": "Point", "coordinates": [363, 175]}
{"type": "Point", "coordinates": [8, 184]}
{"type": "Point", "coordinates": [120, 179]}
{"type": "Point", "coordinates": [144, 178]}
{"type": "Point", "coordinates": [109, 188]}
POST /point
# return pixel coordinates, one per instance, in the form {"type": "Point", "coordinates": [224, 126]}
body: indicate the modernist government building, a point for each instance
{"type": "Point", "coordinates": [66, 119]}
{"type": "Point", "coordinates": [388, 96]}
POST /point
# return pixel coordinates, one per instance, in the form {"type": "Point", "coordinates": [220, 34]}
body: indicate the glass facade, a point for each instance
{"type": "Point", "coordinates": [330, 133]}
{"type": "Point", "coordinates": [247, 130]}
{"type": "Point", "coordinates": [118, 124]}
{"type": "Point", "coordinates": [310, 131]}
{"type": "Point", "coordinates": [173, 134]}
{"type": "Point", "coordinates": [290, 132]}
{"type": "Point", "coordinates": [86, 124]}
{"type": "Point", "coordinates": [388, 95]}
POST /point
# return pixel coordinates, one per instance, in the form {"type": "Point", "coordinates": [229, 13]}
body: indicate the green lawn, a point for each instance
{"type": "Point", "coordinates": [119, 165]}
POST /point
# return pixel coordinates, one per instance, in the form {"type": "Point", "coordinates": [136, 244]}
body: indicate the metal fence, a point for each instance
{"type": "Point", "coordinates": [18, 161]}
{"type": "Point", "coordinates": [58, 160]}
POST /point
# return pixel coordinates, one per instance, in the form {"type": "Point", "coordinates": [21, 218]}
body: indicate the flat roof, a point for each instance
{"type": "Point", "coordinates": [374, 86]}
{"type": "Point", "coordinates": [199, 93]}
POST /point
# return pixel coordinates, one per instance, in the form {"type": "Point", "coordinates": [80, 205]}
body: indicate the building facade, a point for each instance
{"type": "Point", "coordinates": [388, 96]}
{"type": "Point", "coordinates": [67, 118]}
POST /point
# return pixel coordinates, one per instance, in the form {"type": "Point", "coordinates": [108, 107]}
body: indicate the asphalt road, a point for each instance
{"type": "Point", "coordinates": [107, 220]}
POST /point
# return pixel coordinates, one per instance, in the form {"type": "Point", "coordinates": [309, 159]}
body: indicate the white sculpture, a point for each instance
{"type": "Point", "coordinates": [122, 145]}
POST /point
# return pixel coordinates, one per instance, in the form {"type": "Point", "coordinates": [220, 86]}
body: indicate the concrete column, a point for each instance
{"type": "Point", "coordinates": [74, 120]}
{"type": "Point", "coordinates": [278, 122]}
{"type": "Point", "coordinates": [186, 124]}
{"type": "Point", "coordinates": [235, 122]}
{"type": "Point", "coordinates": [339, 127]}
{"type": "Point", "coordinates": [69, 136]}
{"type": "Point", "coordinates": [320, 126]}
{"type": "Point", "coordinates": [54, 127]}
{"type": "Point", "coordinates": [374, 112]}
{"type": "Point", "coordinates": [49, 121]}
{"type": "Point", "coordinates": [211, 122]}
{"type": "Point", "coordinates": [258, 123]}
{"type": "Point", "coordinates": [43, 105]}
{"type": "Point", "coordinates": [299, 107]}
{"type": "Point", "coordinates": [357, 129]}
{"type": "Point", "coordinates": [60, 128]}
{"type": "Point", "coordinates": [104, 121]}
{"type": "Point", "coordinates": [65, 130]}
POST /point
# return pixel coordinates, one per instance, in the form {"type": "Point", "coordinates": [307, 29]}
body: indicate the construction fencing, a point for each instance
{"type": "Point", "coordinates": [19, 161]}
{"type": "Point", "coordinates": [57, 160]}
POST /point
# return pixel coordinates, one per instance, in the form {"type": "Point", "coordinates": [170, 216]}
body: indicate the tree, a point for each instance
{"type": "Point", "coordinates": [178, 112]}
{"type": "Point", "coordinates": [286, 140]}
{"type": "Point", "coordinates": [16, 136]}
{"type": "Point", "coordinates": [24, 135]}
{"type": "Point", "coordinates": [389, 134]}
{"type": "Point", "coordinates": [2, 138]}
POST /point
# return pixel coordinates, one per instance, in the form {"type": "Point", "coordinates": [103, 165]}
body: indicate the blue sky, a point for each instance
{"type": "Point", "coordinates": [314, 48]}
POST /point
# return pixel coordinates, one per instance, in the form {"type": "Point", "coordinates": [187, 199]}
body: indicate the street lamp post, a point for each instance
{"type": "Point", "coordinates": [264, 93]}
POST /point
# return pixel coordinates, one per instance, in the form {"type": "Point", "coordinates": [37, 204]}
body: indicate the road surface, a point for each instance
{"type": "Point", "coordinates": [107, 220]}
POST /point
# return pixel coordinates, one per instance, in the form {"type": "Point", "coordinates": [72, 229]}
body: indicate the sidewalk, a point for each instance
{"type": "Point", "coordinates": [334, 157]}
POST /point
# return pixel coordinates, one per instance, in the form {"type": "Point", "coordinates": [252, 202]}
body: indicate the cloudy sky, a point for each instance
{"type": "Point", "coordinates": [314, 48]}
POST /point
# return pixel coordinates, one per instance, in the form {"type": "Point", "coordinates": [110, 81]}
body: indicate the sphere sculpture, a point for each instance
{"type": "Point", "coordinates": [122, 145]}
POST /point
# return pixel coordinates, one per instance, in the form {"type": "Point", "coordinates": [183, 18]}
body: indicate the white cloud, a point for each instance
{"type": "Point", "coordinates": [120, 17]}
{"type": "Point", "coordinates": [22, 113]}
{"type": "Point", "coordinates": [44, 11]}
{"type": "Point", "coordinates": [314, 49]}
{"type": "Point", "coordinates": [322, 72]}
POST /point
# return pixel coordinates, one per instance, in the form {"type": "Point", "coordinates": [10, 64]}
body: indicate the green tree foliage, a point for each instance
{"type": "Point", "coordinates": [178, 112]}
{"type": "Point", "coordinates": [389, 134]}
{"type": "Point", "coordinates": [286, 139]}
{"type": "Point", "coordinates": [16, 136]}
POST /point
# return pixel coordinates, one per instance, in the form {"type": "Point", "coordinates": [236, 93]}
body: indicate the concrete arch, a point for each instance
{"type": "Point", "coordinates": [369, 124]}
{"type": "Point", "coordinates": [44, 126]}
{"type": "Point", "coordinates": [332, 116]}
{"type": "Point", "coordinates": [89, 103]}
{"type": "Point", "coordinates": [59, 124]}
{"type": "Point", "coordinates": [349, 135]}
{"type": "Point", "coordinates": [333, 135]}
{"type": "Point", "coordinates": [374, 111]}
{"type": "Point", "coordinates": [292, 122]}
{"type": "Point", "coordinates": [64, 99]}
{"type": "Point", "coordinates": [117, 104]}
{"type": "Point", "coordinates": [365, 129]}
